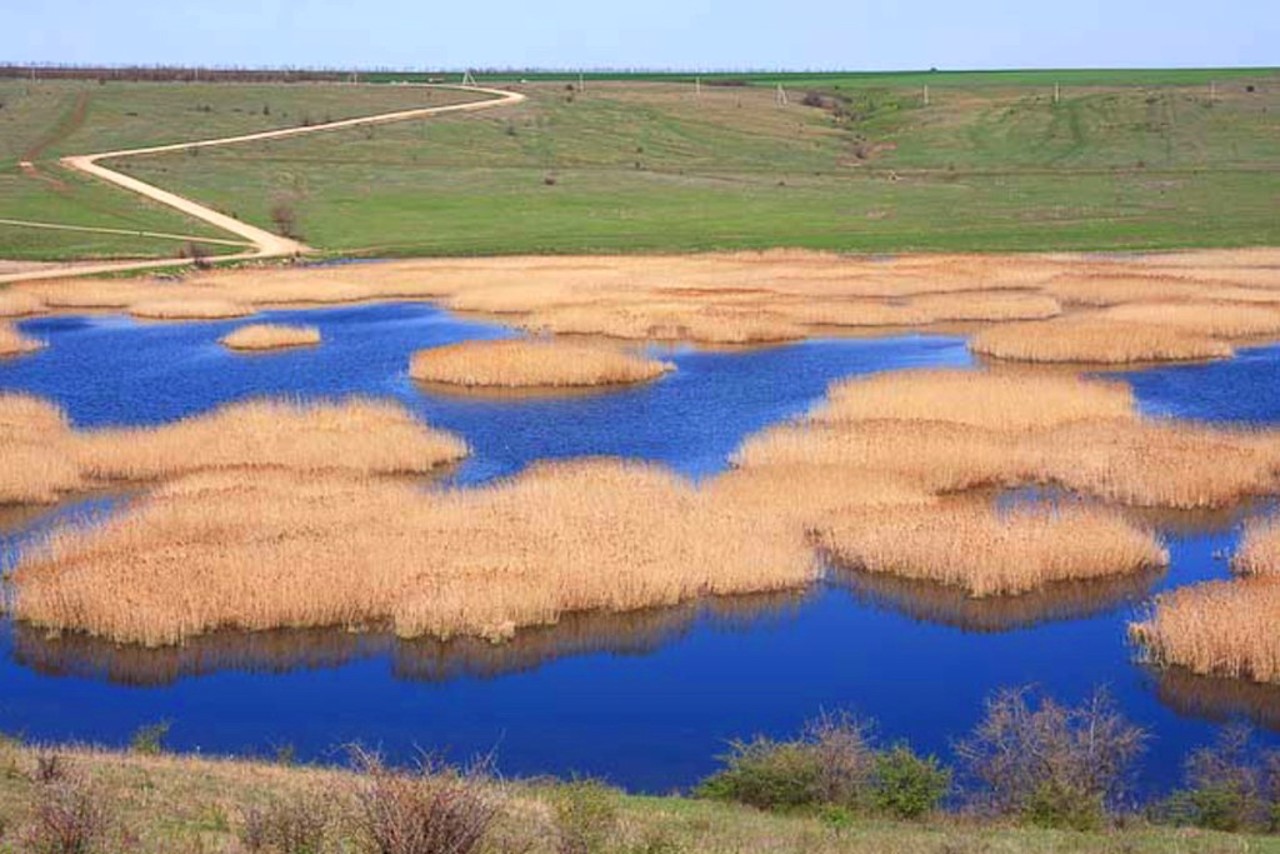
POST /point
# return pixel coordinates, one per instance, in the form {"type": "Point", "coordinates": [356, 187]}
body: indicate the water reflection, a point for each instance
{"type": "Point", "coordinates": [952, 606]}
{"type": "Point", "coordinates": [1216, 699]}
{"type": "Point", "coordinates": [419, 660]}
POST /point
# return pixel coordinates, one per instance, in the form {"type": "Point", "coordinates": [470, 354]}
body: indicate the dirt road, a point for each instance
{"type": "Point", "coordinates": [265, 243]}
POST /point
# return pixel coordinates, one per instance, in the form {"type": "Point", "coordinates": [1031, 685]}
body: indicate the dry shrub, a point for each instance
{"type": "Point", "coordinates": [531, 364]}
{"type": "Point", "coordinates": [271, 336]}
{"type": "Point", "coordinates": [998, 401]}
{"type": "Point", "coordinates": [69, 815]}
{"type": "Point", "coordinates": [1096, 340]}
{"type": "Point", "coordinates": [275, 549]}
{"type": "Point", "coordinates": [358, 436]}
{"type": "Point", "coordinates": [292, 824]}
{"type": "Point", "coordinates": [989, 552]}
{"type": "Point", "coordinates": [14, 343]}
{"type": "Point", "coordinates": [1217, 628]}
{"type": "Point", "coordinates": [15, 303]}
{"type": "Point", "coordinates": [1259, 550]}
{"type": "Point", "coordinates": [433, 810]}
{"type": "Point", "coordinates": [1051, 764]}
{"type": "Point", "coordinates": [1231, 786]}
{"type": "Point", "coordinates": [178, 309]}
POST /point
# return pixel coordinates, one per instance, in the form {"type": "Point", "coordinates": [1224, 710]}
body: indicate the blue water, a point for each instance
{"type": "Point", "coordinates": [645, 700]}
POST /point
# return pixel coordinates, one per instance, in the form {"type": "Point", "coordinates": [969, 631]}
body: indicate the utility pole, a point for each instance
{"type": "Point", "coordinates": [1213, 90]}
{"type": "Point", "coordinates": [780, 98]}
{"type": "Point", "coordinates": [697, 87]}
{"type": "Point", "coordinates": [926, 94]}
{"type": "Point", "coordinates": [582, 82]}
{"type": "Point", "coordinates": [467, 78]}
{"type": "Point", "coordinates": [1057, 93]}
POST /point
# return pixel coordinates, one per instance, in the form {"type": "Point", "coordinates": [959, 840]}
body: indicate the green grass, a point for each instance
{"type": "Point", "coordinates": [1134, 159]}
{"type": "Point", "coordinates": [645, 167]}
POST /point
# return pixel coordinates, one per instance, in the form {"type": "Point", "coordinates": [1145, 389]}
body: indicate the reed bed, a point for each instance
{"type": "Point", "coordinates": [532, 364]}
{"type": "Point", "coordinates": [14, 343]}
{"type": "Point", "coordinates": [637, 321]}
{"type": "Point", "coordinates": [986, 552]}
{"type": "Point", "coordinates": [1217, 320]}
{"type": "Point", "coordinates": [998, 401]}
{"type": "Point", "coordinates": [36, 468]}
{"type": "Point", "coordinates": [1096, 340]}
{"type": "Point", "coordinates": [1259, 550]}
{"type": "Point", "coordinates": [1217, 628]}
{"type": "Point", "coordinates": [14, 303]}
{"type": "Point", "coordinates": [364, 437]}
{"type": "Point", "coordinates": [201, 309]}
{"type": "Point", "coordinates": [271, 336]}
{"type": "Point", "coordinates": [281, 549]}
{"type": "Point", "coordinates": [44, 458]}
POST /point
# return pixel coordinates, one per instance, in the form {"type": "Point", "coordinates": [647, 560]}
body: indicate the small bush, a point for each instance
{"type": "Point", "coordinates": [285, 219]}
{"type": "Point", "coordinates": [293, 826]}
{"type": "Point", "coordinates": [69, 816]}
{"type": "Point", "coordinates": [50, 768]}
{"type": "Point", "coordinates": [586, 816]}
{"type": "Point", "coordinates": [149, 740]}
{"type": "Point", "coordinates": [907, 785]}
{"type": "Point", "coordinates": [1231, 786]}
{"type": "Point", "coordinates": [435, 810]}
{"type": "Point", "coordinates": [1050, 764]}
{"type": "Point", "coordinates": [831, 763]}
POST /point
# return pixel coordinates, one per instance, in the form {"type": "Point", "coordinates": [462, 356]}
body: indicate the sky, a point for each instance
{"type": "Point", "coordinates": [655, 34]}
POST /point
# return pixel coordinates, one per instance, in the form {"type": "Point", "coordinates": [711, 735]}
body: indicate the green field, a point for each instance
{"type": "Point", "coordinates": [1127, 159]}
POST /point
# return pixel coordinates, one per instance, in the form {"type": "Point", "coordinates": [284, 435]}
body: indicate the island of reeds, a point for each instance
{"type": "Point", "coordinates": [257, 337]}
{"type": "Point", "coordinates": [532, 364]}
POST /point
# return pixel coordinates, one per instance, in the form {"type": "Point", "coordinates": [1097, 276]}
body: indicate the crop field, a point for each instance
{"type": "Point", "coordinates": [854, 162]}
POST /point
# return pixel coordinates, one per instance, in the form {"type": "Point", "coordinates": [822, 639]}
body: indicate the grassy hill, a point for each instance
{"type": "Point", "coordinates": [1125, 160]}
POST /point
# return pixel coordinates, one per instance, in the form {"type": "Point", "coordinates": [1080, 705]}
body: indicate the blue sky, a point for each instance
{"type": "Point", "coordinates": [729, 34]}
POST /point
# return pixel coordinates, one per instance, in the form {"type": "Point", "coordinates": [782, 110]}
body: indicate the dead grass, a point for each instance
{"type": "Point", "coordinates": [36, 470]}
{"type": "Point", "coordinates": [282, 550]}
{"type": "Point", "coordinates": [1218, 628]}
{"type": "Point", "coordinates": [1259, 550]}
{"type": "Point", "coordinates": [175, 309]}
{"type": "Point", "coordinates": [531, 364]}
{"type": "Point", "coordinates": [1093, 339]}
{"type": "Point", "coordinates": [987, 552]}
{"type": "Point", "coordinates": [271, 336]}
{"type": "Point", "coordinates": [1000, 401]}
{"type": "Point", "coordinates": [1218, 320]}
{"type": "Point", "coordinates": [14, 343]}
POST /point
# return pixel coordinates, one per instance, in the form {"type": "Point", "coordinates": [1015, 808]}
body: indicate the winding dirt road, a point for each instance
{"type": "Point", "coordinates": [265, 243]}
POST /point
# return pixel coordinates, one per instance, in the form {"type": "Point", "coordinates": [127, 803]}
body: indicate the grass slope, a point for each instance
{"type": "Point", "coordinates": [652, 167]}
{"type": "Point", "coordinates": [188, 803]}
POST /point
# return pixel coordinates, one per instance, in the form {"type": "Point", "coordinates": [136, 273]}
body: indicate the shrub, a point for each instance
{"type": "Point", "coordinates": [434, 810]}
{"type": "Point", "coordinates": [296, 825]}
{"type": "Point", "coordinates": [149, 740]}
{"type": "Point", "coordinates": [50, 768]}
{"type": "Point", "coordinates": [586, 816]}
{"type": "Point", "coordinates": [1231, 786]}
{"type": "Point", "coordinates": [69, 816]}
{"type": "Point", "coordinates": [1052, 765]}
{"type": "Point", "coordinates": [831, 763]}
{"type": "Point", "coordinates": [285, 219]}
{"type": "Point", "coordinates": [907, 785]}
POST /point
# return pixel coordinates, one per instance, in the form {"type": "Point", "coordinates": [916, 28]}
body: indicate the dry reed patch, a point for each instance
{"type": "Point", "coordinates": [283, 550]}
{"type": "Point", "coordinates": [14, 343]}
{"type": "Point", "coordinates": [1219, 320]}
{"type": "Point", "coordinates": [366, 437]}
{"type": "Point", "coordinates": [987, 552]}
{"type": "Point", "coordinates": [36, 467]}
{"type": "Point", "coordinates": [271, 336]}
{"type": "Point", "coordinates": [934, 456]}
{"type": "Point", "coordinates": [1217, 628]}
{"type": "Point", "coordinates": [531, 364]}
{"type": "Point", "coordinates": [1259, 550]}
{"type": "Point", "coordinates": [1101, 291]}
{"type": "Point", "coordinates": [193, 309]}
{"type": "Point", "coordinates": [998, 401]}
{"type": "Point", "coordinates": [641, 322]}
{"type": "Point", "coordinates": [1157, 464]}
{"type": "Point", "coordinates": [19, 303]}
{"type": "Point", "coordinates": [1096, 340]}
